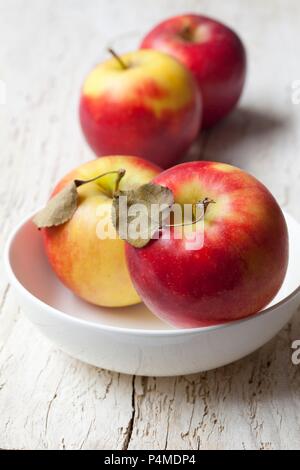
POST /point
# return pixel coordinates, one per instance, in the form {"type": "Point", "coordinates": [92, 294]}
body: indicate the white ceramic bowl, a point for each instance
{"type": "Point", "coordinates": [132, 340]}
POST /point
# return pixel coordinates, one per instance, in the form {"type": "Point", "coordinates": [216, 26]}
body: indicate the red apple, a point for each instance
{"type": "Point", "coordinates": [242, 262]}
{"type": "Point", "coordinates": [94, 268]}
{"type": "Point", "coordinates": [143, 103]}
{"type": "Point", "coordinates": [214, 54]}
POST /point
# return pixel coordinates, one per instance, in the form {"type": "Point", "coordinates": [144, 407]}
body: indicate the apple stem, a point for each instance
{"type": "Point", "coordinates": [120, 173]}
{"type": "Point", "coordinates": [186, 33]}
{"type": "Point", "coordinates": [118, 58]}
{"type": "Point", "coordinates": [205, 203]}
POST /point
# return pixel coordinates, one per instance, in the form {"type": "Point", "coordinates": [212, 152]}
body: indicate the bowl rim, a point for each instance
{"type": "Point", "coordinates": [61, 315]}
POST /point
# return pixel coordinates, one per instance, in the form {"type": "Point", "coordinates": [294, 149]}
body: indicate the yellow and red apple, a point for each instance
{"type": "Point", "coordinates": [144, 103]}
{"type": "Point", "coordinates": [94, 268]}
{"type": "Point", "coordinates": [241, 264]}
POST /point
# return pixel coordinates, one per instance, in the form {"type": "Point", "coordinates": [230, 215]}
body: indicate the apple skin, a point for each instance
{"type": "Point", "coordinates": [213, 53]}
{"type": "Point", "coordinates": [242, 263]}
{"type": "Point", "coordinates": [92, 268]}
{"type": "Point", "coordinates": [152, 109]}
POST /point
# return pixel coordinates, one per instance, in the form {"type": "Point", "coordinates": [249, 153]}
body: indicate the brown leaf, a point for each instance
{"type": "Point", "coordinates": [59, 209]}
{"type": "Point", "coordinates": [135, 218]}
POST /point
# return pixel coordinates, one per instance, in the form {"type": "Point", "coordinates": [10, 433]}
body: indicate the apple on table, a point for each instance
{"type": "Point", "coordinates": [213, 52]}
{"type": "Point", "coordinates": [143, 103]}
{"type": "Point", "coordinates": [241, 264]}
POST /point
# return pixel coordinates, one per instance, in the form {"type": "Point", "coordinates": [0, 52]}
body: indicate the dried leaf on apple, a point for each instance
{"type": "Point", "coordinates": [144, 198]}
{"type": "Point", "coordinates": [59, 209]}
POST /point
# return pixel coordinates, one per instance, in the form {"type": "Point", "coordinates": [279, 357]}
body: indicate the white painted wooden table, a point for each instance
{"type": "Point", "coordinates": [49, 400]}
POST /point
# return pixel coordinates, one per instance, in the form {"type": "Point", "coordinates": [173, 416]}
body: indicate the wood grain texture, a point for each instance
{"type": "Point", "coordinates": [51, 401]}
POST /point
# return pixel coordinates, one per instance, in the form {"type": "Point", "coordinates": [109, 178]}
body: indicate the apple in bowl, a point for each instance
{"type": "Point", "coordinates": [143, 103]}
{"type": "Point", "coordinates": [240, 264]}
{"type": "Point", "coordinates": [214, 54]}
{"type": "Point", "coordinates": [88, 262]}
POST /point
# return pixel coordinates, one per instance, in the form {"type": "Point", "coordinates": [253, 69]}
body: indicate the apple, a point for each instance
{"type": "Point", "coordinates": [93, 268]}
{"type": "Point", "coordinates": [242, 262]}
{"type": "Point", "coordinates": [213, 53]}
{"type": "Point", "coordinates": [144, 103]}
